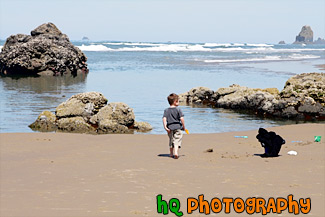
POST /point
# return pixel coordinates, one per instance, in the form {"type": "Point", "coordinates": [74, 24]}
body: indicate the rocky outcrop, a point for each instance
{"type": "Point", "coordinates": [90, 113]}
{"type": "Point", "coordinates": [47, 51]}
{"type": "Point", "coordinates": [301, 98]}
{"type": "Point", "coordinates": [305, 36]}
{"type": "Point", "coordinates": [281, 42]}
{"type": "Point", "coordinates": [319, 41]}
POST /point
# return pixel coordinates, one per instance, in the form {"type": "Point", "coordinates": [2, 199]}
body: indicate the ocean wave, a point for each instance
{"type": "Point", "coordinates": [263, 59]}
{"type": "Point", "coordinates": [98, 47]}
{"type": "Point", "coordinates": [259, 45]}
{"type": "Point", "coordinates": [236, 45]}
{"type": "Point", "coordinates": [157, 48]}
{"type": "Point", "coordinates": [1, 47]}
{"type": "Point", "coordinates": [208, 47]}
{"type": "Point", "coordinates": [133, 44]}
{"type": "Point", "coordinates": [218, 45]}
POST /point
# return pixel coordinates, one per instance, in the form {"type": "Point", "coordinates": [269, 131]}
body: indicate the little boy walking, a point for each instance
{"type": "Point", "coordinates": [173, 121]}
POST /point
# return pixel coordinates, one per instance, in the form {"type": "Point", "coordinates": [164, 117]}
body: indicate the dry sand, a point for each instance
{"type": "Point", "coordinates": [55, 174]}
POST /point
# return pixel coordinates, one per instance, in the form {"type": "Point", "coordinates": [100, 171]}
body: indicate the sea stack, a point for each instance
{"type": "Point", "coordinates": [46, 51]}
{"type": "Point", "coordinates": [305, 36]}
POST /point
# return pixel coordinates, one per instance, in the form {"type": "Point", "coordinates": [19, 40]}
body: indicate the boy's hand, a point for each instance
{"type": "Point", "coordinates": [168, 130]}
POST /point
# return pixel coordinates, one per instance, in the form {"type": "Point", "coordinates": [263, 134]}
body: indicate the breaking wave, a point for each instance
{"type": "Point", "coordinates": [94, 48]}
{"type": "Point", "coordinates": [207, 47]}
{"type": "Point", "coordinates": [262, 59]}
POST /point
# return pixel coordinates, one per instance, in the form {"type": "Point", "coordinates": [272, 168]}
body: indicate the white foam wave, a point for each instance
{"type": "Point", "coordinates": [260, 45]}
{"type": "Point", "coordinates": [266, 58]}
{"type": "Point", "coordinates": [217, 45]}
{"type": "Point", "coordinates": [134, 43]}
{"type": "Point", "coordinates": [209, 47]}
{"type": "Point", "coordinates": [236, 45]}
{"type": "Point", "coordinates": [299, 56]}
{"type": "Point", "coordinates": [1, 47]}
{"type": "Point", "coordinates": [114, 43]}
{"type": "Point", "coordinates": [98, 47]}
{"type": "Point", "coordinates": [167, 48]}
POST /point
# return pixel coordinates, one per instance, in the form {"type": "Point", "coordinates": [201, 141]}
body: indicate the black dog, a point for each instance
{"type": "Point", "coordinates": [270, 141]}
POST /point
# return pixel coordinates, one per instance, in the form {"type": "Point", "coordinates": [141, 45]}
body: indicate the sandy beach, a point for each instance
{"type": "Point", "coordinates": [56, 174]}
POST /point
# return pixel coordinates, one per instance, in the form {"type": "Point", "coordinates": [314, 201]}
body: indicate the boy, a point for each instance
{"type": "Point", "coordinates": [173, 121]}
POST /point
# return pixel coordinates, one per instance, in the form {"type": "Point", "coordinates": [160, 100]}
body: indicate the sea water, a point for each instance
{"type": "Point", "coordinates": [143, 74]}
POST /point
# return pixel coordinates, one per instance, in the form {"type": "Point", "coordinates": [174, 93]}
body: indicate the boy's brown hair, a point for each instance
{"type": "Point", "coordinates": [172, 98]}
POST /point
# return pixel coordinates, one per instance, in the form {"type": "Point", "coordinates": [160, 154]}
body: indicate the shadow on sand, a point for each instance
{"type": "Point", "coordinates": [265, 156]}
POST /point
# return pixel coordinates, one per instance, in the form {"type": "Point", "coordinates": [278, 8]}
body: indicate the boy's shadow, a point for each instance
{"type": "Point", "coordinates": [265, 156]}
{"type": "Point", "coordinates": [167, 155]}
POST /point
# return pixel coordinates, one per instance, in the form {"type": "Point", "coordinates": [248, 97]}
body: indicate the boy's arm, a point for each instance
{"type": "Point", "coordinates": [165, 124]}
{"type": "Point", "coordinates": [183, 123]}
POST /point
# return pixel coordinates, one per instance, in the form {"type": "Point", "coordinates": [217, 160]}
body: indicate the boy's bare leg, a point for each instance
{"type": "Point", "coordinates": [176, 152]}
{"type": "Point", "coordinates": [171, 152]}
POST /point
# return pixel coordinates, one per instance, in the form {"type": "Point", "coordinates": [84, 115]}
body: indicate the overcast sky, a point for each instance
{"type": "Point", "coordinates": [250, 21]}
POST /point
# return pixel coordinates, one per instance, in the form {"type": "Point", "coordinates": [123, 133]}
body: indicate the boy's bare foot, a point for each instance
{"type": "Point", "coordinates": [171, 155]}
{"type": "Point", "coordinates": [176, 156]}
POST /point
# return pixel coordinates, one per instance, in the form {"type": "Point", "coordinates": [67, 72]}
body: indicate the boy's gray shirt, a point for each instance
{"type": "Point", "coordinates": [173, 116]}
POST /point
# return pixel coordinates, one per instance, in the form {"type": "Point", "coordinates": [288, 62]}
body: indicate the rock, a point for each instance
{"type": "Point", "coordinates": [142, 126]}
{"type": "Point", "coordinates": [90, 113]}
{"type": "Point", "coordinates": [303, 97]}
{"type": "Point", "coordinates": [46, 29]}
{"type": "Point", "coordinates": [46, 51]}
{"type": "Point", "coordinates": [45, 122]}
{"type": "Point", "coordinates": [319, 41]}
{"type": "Point", "coordinates": [110, 126]}
{"type": "Point", "coordinates": [199, 95]}
{"type": "Point", "coordinates": [305, 85]}
{"type": "Point", "coordinates": [289, 112]}
{"type": "Point", "coordinates": [119, 113]}
{"type": "Point", "coordinates": [281, 42]}
{"type": "Point", "coordinates": [305, 36]}
{"type": "Point", "coordinates": [83, 104]}
{"type": "Point", "coordinates": [85, 38]}
{"type": "Point", "coordinates": [75, 125]}
{"type": "Point", "coordinates": [209, 150]}
{"type": "Point", "coordinates": [70, 108]}
{"type": "Point", "coordinates": [273, 91]}
{"type": "Point", "coordinates": [237, 97]}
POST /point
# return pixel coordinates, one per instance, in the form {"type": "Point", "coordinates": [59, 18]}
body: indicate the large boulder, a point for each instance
{"type": "Point", "coordinates": [46, 51]}
{"type": "Point", "coordinates": [305, 36]}
{"type": "Point", "coordinates": [90, 113]}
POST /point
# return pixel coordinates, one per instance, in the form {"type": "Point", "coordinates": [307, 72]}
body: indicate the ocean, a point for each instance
{"type": "Point", "coordinates": [143, 74]}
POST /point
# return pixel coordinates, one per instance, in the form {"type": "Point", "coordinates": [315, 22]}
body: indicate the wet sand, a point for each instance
{"type": "Point", "coordinates": [57, 174]}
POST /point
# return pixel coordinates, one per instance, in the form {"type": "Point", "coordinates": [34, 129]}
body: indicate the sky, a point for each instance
{"type": "Point", "coordinates": [220, 21]}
